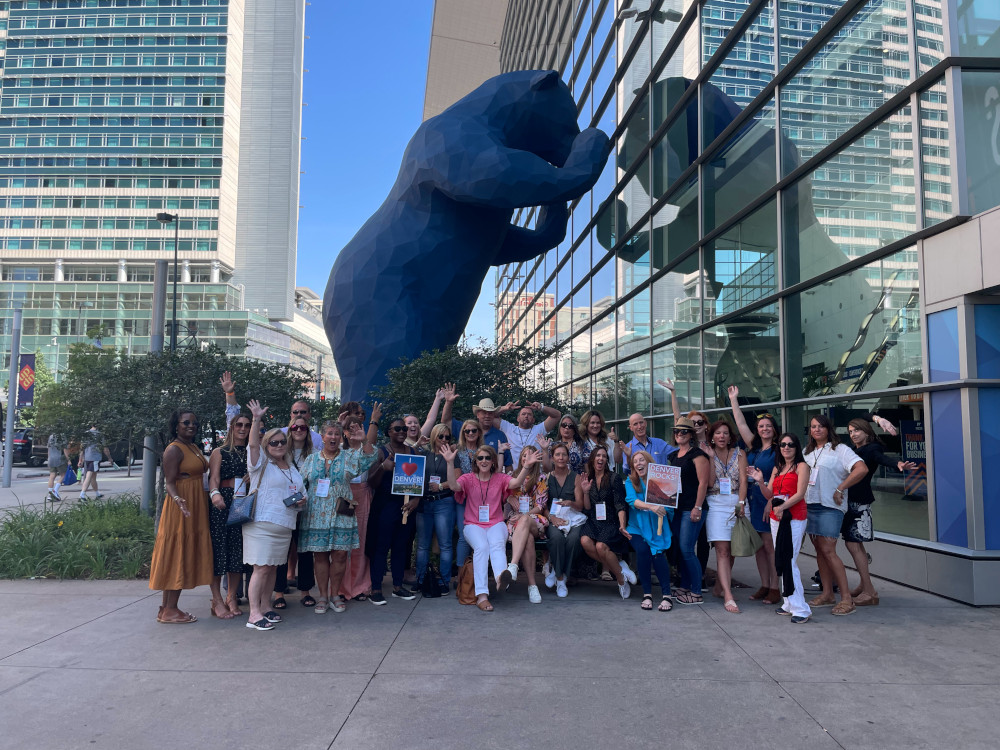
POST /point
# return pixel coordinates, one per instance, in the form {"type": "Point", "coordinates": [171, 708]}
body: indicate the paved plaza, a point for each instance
{"type": "Point", "coordinates": [84, 665]}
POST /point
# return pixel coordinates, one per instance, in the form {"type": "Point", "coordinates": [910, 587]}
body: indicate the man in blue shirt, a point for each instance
{"type": "Point", "coordinates": [485, 412]}
{"type": "Point", "coordinates": [658, 449]}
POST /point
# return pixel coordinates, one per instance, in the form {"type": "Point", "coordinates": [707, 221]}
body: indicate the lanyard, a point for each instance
{"type": "Point", "coordinates": [819, 455]}
{"type": "Point", "coordinates": [484, 494]}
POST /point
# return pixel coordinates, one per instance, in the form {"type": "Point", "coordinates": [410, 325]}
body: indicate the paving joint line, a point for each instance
{"type": "Point", "coordinates": [374, 672]}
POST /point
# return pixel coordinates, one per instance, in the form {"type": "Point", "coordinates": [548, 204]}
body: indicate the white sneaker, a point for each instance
{"type": "Point", "coordinates": [627, 572]}
{"type": "Point", "coordinates": [561, 590]}
{"type": "Point", "coordinates": [550, 575]}
{"type": "Point", "coordinates": [533, 596]}
{"type": "Point", "coordinates": [512, 569]}
{"type": "Point", "coordinates": [625, 590]}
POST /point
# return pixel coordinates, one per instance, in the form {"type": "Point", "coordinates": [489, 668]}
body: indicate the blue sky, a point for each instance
{"type": "Point", "coordinates": [364, 93]}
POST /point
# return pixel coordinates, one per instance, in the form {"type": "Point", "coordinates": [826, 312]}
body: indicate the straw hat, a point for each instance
{"type": "Point", "coordinates": [485, 405]}
{"type": "Point", "coordinates": [684, 423]}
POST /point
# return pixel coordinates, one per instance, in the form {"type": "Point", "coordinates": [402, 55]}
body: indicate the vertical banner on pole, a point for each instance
{"type": "Point", "coordinates": [26, 380]}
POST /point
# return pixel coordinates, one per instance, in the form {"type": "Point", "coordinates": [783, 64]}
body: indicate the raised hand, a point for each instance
{"type": "Point", "coordinates": [543, 442]}
{"type": "Point", "coordinates": [668, 384]}
{"type": "Point", "coordinates": [449, 392]}
{"type": "Point", "coordinates": [532, 458]}
{"type": "Point", "coordinates": [422, 441]}
{"type": "Point", "coordinates": [625, 448]}
{"type": "Point", "coordinates": [226, 381]}
{"type": "Point", "coordinates": [503, 447]}
{"type": "Point", "coordinates": [376, 412]}
{"type": "Point", "coordinates": [886, 425]}
{"type": "Point", "coordinates": [448, 452]}
{"type": "Point", "coordinates": [536, 405]}
{"type": "Point", "coordinates": [904, 465]}
{"type": "Point", "coordinates": [509, 406]}
{"type": "Point", "coordinates": [256, 409]}
{"type": "Point", "coordinates": [734, 392]}
{"type": "Point", "coordinates": [586, 483]}
{"type": "Point", "coordinates": [356, 432]}
{"type": "Point", "coordinates": [612, 436]}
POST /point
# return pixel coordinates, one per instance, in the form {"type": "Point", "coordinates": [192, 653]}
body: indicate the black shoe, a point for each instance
{"type": "Point", "coordinates": [780, 611]}
{"type": "Point", "coordinates": [799, 620]}
{"type": "Point", "coordinates": [376, 598]}
{"type": "Point", "coordinates": [403, 593]}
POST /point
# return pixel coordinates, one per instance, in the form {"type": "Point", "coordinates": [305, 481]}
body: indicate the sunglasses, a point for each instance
{"type": "Point", "coordinates": [786, 445]}
{"type": "Point", "coordinates": [276, 443]}
{"type": "Point", "coordinates": [699, 422]}
{"type": "Point", "coordinates": [471, 431]}
{"type": "Point", "coordinates": [444, 437]}
{"type": "Point", "coordinates": [682, 431]}
{"type": "Point", "coordinates": [765, 415]}
{"type": "Point", "coordinates": [398, 429]}
{"type": "Point", "coordinates": [300, 411]}
{"type": "Point", "coordinates": [298, 428]}
{"type": "Point", "coordinates": [241, 426]}
{"type": "Point", "coordinates": [567, 426]}
{"type": "Point", "coordinates": [189, 423]}
{"type": "Point", "coordinates": [483, 458]}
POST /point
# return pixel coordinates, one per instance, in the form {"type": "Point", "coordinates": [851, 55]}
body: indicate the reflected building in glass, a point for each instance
{"type": "Point", "coordinates": [112, 111]}
{"type": "Point", "coordinates": [802, 203]}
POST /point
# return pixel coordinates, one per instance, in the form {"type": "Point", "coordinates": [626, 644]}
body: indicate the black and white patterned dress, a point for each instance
{"type": "Point", "coordinates": [227, 541]}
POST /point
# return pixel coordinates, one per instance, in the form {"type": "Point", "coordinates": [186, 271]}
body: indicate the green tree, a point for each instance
{"type": "Point", "coordinates": [510, 374]}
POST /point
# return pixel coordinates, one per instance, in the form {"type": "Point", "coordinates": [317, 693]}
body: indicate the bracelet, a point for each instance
{"type": "Point", "coordinates": [214, 492]}
{"type": "Point", "coordinates": [178, 499]}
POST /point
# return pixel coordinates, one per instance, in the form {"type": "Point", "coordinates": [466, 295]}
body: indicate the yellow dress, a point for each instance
{"type": "Point", "coordinates": [182, 554]}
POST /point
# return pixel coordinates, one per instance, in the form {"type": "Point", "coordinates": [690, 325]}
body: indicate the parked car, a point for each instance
{"type": "Point", "coordinates": [23, 441]}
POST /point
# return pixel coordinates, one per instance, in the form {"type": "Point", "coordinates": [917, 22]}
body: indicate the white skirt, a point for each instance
{"type": "Point", "coordinates": [721, 517]}
{"type": "Point", "coordinates": [265, 543]}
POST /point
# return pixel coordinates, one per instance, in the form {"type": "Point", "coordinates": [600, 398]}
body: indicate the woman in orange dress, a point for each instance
{"type": "Point", "coordinates": [182, 554]}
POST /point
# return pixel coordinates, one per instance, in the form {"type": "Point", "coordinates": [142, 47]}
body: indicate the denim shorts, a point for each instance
{"type": "Point", "coordinates": [823, 521]}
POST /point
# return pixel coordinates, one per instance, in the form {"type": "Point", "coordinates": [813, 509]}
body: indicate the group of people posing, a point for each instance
{"type": "Point", "coordinates": [324, 502]}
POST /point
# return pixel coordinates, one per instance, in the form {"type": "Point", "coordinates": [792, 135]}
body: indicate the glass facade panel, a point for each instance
{"type": "Point", "coordinates": [859, 331]}
{"type": "Point", "coordinates": [677, 300]}
{"type": "Point", "coordinates": [981, 115]}
{"type": "Point", "coordinates": [935, 154]}
{"type": "Point", "coordinates": [674, 226]}
{"type": "Point", "coordinates": [901, 497]}
{"type": "Point", "coordinates": [859, 200]}
{"type": "Point", "coordinates": [739, 264]}
{"type": "Point", "coordinates": [978, 27]}
{"type": "Point", "coordinates": [799, 22]}
{"type": "Point", "coordinates": [744, 351]}
{"type": "Point", "coordinates": [864, 65]}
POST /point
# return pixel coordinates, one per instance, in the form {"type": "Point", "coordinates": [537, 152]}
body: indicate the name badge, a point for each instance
{"type": "Point", "coordinates": [812, 480]}
{"type": "Point", "coordinates": [434, 479]}
{"type": "Point", "coordinates": [238, 488]}
{"type": "Point", "coordinates": [602, 511]}
{"type": "Point", "coordinates": [292, 489]}
{"type": "Point", "coordinates": [484, 514]}
{"type": "Point", "coordinates": [522, 503]}
{"type": "Point", "coordinates": [323, 488]}
{"type": "Point", "coordinates": [725, 486]}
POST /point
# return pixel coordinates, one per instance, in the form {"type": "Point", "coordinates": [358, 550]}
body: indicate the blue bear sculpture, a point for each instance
{"type": "Point", "coordinates": [408, 280]}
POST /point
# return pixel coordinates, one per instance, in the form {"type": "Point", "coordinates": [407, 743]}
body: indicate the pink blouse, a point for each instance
{"type": "Point", "coordinates": [491, 494]}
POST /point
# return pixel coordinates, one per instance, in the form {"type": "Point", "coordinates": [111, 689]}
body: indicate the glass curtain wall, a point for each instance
{"type": "Point", "coordinates": [755, 225]}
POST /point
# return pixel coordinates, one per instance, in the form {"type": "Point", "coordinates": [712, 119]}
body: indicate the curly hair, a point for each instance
{"type": "Point", "coordinates": [175, 419]}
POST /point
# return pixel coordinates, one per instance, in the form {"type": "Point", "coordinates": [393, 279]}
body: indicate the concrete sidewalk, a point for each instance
{"type": "Point", "coordinates": [31, 485]}
{"type": "Point", "coordinates": [84, 665]}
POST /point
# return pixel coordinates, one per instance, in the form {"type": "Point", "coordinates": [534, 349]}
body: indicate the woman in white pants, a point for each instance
{"type": "Point", "coordinates": [483, 491]}
{"type": "Point", "coordinates": [785, 493]}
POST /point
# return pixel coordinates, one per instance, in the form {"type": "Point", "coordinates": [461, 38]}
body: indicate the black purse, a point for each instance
{"type": "Point", "coordinates": [431, 587]}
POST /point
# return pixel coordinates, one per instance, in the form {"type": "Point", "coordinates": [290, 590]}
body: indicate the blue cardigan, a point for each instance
{"type": "Point", "coordinates": [644, 522]}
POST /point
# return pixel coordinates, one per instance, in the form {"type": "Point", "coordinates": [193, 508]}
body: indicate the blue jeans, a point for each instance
{"type": "Point", "coordinates": [436, 517]}
{"type": "Point", "coordinates": [685, 532]}
{"type": "Point", "coordinates": [462, 549]}
{"type": "Point", "coordinates": [644, 559]}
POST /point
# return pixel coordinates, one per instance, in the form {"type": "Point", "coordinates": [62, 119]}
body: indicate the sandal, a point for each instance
{"type": "Point", "coordinates": [731, 606]}
{"type": "Point", "coordinates": [321, 606]}
{"type": "Point", "coordinates": [234, 607]}
{"type": "Point", "coordinates": [866, 600]}
{"type": "Point", "coordinates": [272, 617]}
{"type": "Point", "coordinates": [606, 576]}
{"type": "Point", "coordinates": [308, 601]}
{"type": "Point", "coordinates": [677, 592]}
{"type": "Point", "coordinates": [760, 593]}
{"type": "Point", "coordinates": [226, 613]}
{"type": "Point", "coordinates": [689, 598]}
{"type": "Point", "coordinates": [337, 604]}
{"type": "Point", "coordinates": [185, 620]}
{"type": "Point", "coordinates": [773, 597]}
{"type": "Point", "coordinates": [647, 602]}
{"type": "Point", "coordinates": [843, 609]}
{"type": "Point", "coordinates": [819, 601]}
{"type": "Point", "coordinates": [484, 605]}
{"type": "Point", "coordinates": [665, 605]}
{"type": "Point", "coordinates": [279, 603]}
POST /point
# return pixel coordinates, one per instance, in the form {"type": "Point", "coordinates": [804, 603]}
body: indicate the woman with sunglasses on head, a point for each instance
{"type": "Point", "coordinates": [857, 527]}
{"type": "Point", "coordinates": [568, 433]}
{"type": "Point", "coordinates": [301, 445]}
{"type": "Point", "coordinates": [387, 534]}
{"type": "Point", "coordinates": [329, 528]}
{"type": "Point", "coordinates": [762, 451]}
{"type": "Point", "coordinates": [785, 491]}
{"type": "Point", "coordinates": [526, 518]}
{"type": "Point", "coordinates": [833, 468]}
{"type": "Point", "coordinates": [726, 502]}
{"type": "Point", "coordinates": [182, 553]}
{"type": "Point", "coordinates": [227, 466]}
{"type": "Point", "coordinates": [280, 496]}
{"type": "Point", "coordinates": [643, 533]}
{"type": "Point", "coordinates": [602, 495]}
{"type": "Point", "coordinates": [595, 433]}
{"type": "Point", "coordinates": [689, 516]}
{"type": "Point", "coordinates": [482, 493]}
{"type": "Point", "coordinates": [436, 515]}
{"type": "Point", "coordinates": [470, 441]}
{"type": "Point", "coordinates": [566, 520]}
{"type": "Point", "coordinates": [356, 581]}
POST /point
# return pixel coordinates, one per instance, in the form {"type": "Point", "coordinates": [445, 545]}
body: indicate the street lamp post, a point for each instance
{"type": "Point", "coordinates": [165, 218]}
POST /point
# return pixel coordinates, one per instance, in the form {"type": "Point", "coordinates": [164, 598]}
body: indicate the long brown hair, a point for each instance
{"type": "Point", "coordinates": [634, 475]}
{"type": "Point", "coordinates": [307, 444]}
{"type": "Point", "coordinates": [831, 435]}
{"type": "Point", "coordinates": [461, 438]}
{"type": "Point", "coordinates": [230, 442]}
{"type": "Point", "coordinates": [533, 473]}
{"type": "Point", "coordinates": [862, 426]}
{"type": "Point", "coordinates": [591, 470]}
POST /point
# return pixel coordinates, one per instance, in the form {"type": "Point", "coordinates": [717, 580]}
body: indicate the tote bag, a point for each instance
{"type": "Point", "coordinates": [745, 541]}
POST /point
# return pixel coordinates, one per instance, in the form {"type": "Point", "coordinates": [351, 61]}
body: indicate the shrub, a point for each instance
{"type": "Point", "coordinates": [101, 539]}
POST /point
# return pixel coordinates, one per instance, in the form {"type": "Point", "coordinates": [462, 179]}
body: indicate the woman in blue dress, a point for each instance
{"type": "Point", "coordinates": [648, 535]}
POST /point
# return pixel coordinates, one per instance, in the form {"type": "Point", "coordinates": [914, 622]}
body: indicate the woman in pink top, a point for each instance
{"type": "Point", "coordinates": [485, 530]}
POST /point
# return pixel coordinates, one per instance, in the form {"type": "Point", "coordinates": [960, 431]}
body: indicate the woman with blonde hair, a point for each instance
{"type": "Point", "coordinates": [356, 581]}
{"type": "Point", "coordinates": [436, 515]}
{"type": "Point", "coordinates": [298, 567]}
{"type": "Point", "coordinates": [526, 518]}
{"type": "Point", "coordinates": [648, 531]}
{"type": "Point", "coordinates": [469, 441]}
{"type": "Point", "coordinates": [280, 496]}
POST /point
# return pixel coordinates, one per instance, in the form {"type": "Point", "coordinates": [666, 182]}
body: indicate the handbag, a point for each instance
{"type": "Point", "coordinates": [344, 507]}
{"type": "Point", "coordinates": [431, 586]}
{"type": "Point", "coordinates": [466, 591]}
{"type": "Point", "coordinates": [242, 509]}
{"type": "Point", "coordinates": [70, 478]}
{"type": "Point", "coordinates": [745, 540]}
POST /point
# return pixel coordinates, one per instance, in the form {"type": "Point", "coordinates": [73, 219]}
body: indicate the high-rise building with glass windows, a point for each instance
{"type": "Point", "coordinates": [802, 203]}
{"type": "Point", "coordinates": [112, 111]}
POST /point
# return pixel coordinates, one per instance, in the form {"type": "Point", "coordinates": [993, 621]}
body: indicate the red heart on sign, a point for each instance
{"type": "Point", "coordinates": [408, 469]}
